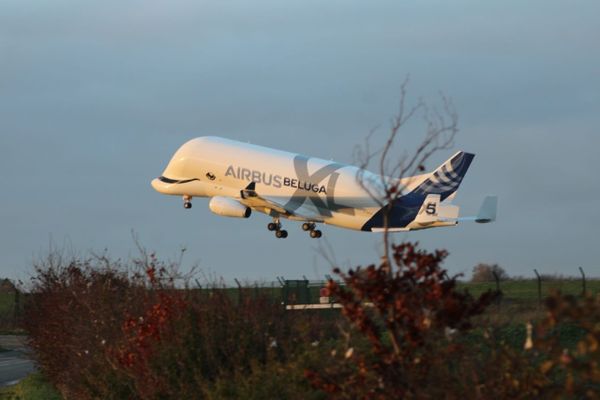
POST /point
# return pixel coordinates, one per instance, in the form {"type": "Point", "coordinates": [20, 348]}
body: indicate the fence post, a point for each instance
{"type": "Point", "coordinates": [497, 279]}
{"type": "Point", "coordinates": [17, 307]}
{"type": "Point", "coordinates": [272, 291]}
{"type": "Point", "coordinates": [539, 279]}
{"type": "Point", "coordinates": [582, 281]}
{"type": "Point", "coordinates": [239, 285]}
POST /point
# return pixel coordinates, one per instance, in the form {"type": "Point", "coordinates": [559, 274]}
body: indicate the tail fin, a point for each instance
{"type": "Point", "coordinates": [446, 179]}
{"type": "Point", "coordinates": [428, 213]}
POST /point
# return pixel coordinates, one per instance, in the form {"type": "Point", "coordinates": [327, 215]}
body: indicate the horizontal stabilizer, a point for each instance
{"type": "Point", "coordinates": [487, 212]}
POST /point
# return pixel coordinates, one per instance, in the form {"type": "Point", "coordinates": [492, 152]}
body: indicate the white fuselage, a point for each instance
{"type": "Point", "coordinates": [334, 193]}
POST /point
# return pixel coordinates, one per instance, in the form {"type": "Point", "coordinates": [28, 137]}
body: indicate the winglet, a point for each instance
{"type": "Point", "coordinates": [487, 212]}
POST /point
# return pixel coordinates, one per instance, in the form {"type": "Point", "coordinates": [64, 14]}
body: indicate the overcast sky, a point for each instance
{"type": "Point", "coordinates": [96, 96]}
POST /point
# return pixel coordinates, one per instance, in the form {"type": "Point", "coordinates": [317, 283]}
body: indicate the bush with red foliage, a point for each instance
{"type": "Point", "coordinates": [104, 329]}
{"type": "Point", "coordinates": [573, 372]}
{"type": "Point", "coordinates": [414, 336]}
{"type": "Point", "coordinates": [101, 329]}
{"type": "Point", "coordinates": [407, 319]}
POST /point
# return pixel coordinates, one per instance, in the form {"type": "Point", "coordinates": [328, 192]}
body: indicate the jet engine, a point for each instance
{"type": "Point", "coordinates": [228, 207]}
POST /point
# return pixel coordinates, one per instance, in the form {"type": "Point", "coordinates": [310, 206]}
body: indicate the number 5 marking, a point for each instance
{"type": "Point", "coordinates": [431, 209]}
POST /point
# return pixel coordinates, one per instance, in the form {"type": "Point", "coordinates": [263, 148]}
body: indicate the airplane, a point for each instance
{"type": "Point", "coordinates": [240, 177]}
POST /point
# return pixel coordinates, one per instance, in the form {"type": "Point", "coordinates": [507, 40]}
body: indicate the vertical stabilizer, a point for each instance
{"type": "Point", "coordinates": [446, 179]}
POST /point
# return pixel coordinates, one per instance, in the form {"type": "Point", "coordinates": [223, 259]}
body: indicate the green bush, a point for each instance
{"type": "Point", "coordinates": [34, 387]}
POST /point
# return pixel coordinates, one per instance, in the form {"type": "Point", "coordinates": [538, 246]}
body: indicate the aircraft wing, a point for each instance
{"type": "Point", "coordinates": [252, 199]}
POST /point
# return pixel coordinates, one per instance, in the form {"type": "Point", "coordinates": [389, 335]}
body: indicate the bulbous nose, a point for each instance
{"type": "Point", "coordinates": [158, 185]}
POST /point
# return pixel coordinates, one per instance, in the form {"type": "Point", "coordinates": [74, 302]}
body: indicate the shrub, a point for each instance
{"type": "Point", "coordinates": [413, 336]}
{"type": "Point", "coordinates": [101, 329]}
{"type": "Point", "coordinates": [104, 329]}
{"type": "Point", "coordinates": [406, 321]}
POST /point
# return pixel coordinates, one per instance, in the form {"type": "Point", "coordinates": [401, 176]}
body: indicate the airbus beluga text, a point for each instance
{"type": "Point", "coordinates": [240, 177]}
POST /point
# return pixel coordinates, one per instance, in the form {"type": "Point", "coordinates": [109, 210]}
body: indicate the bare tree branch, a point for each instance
{"type": "Point", "coordinates": [441, 128]}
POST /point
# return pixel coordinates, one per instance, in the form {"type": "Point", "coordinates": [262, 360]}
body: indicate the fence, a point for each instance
{"type": "Point", "coordinates": [537, 289]}
{"type": "Point", "coordinates": [528, 292]}
{"type": "Point", "coordinates": [523, 291]}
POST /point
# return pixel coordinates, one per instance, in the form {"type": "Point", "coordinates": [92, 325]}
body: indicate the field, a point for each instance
{"type": "Point", "coordinates": [527, 290]}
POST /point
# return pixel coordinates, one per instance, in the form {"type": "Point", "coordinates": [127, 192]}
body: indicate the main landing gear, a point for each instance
{"type": "Point", "coordinates": [276, 226]}
{"type": "Point", "coordinates": [187, 202]}
{"type": "Point", "coordinates": [311, 228]}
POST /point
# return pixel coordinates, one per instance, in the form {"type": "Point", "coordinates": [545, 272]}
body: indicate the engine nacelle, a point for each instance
{"type": "Point", "coordinates": [227, 207]}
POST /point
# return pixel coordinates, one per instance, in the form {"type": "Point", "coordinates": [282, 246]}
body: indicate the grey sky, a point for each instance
{"type": "Point", "coordinates": [96, 96]}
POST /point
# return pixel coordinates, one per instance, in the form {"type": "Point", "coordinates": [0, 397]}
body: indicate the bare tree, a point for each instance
{"type": "Point", "coordinates": [440, 129]}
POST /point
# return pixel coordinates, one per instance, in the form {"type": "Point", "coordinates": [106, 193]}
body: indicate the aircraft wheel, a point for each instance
{"type": "Point", "coordinates": [284, 233]}
{"type": "Point", "coordinates": [187, 205]}
{"type": "Point", "coordinates": [315, 234]}
{"type": "Point", "coordinates": [281, 234]}
{"type": "Point", "coordinates": [306, 226]}
{"type": "Point", "coordinates": [272, 226]}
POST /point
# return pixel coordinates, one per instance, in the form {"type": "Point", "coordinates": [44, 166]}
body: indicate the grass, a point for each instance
{"type": "Point", "coordinates": [34, 387]}
{"type": "Point", "coordinates": [527, 289]}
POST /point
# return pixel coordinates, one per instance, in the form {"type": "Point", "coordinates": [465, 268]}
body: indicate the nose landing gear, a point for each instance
{"type": "Point", "coordinates": [187, 202]}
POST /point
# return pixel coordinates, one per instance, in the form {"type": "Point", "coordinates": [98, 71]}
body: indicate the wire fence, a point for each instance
{"type": "Point", "coordinates": [527, 292]}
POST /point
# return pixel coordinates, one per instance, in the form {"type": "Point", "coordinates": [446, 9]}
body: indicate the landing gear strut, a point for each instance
{"type": "Point", "coordinates": [276, 226]}
{"type": "Point", "coordinates": [187, 202]}
{"type": "Point", "coordinates": [310, 227]}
